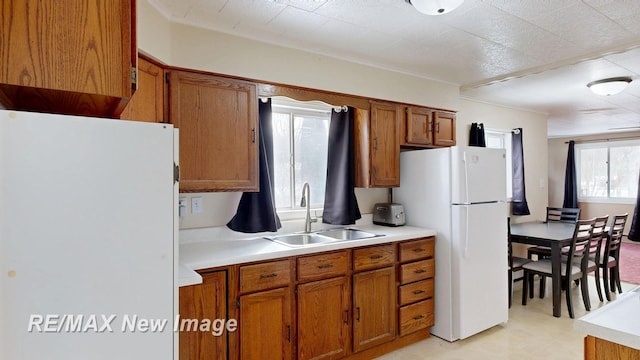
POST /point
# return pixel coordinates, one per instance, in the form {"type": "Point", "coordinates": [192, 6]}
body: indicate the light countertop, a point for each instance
{"type": "Point", "coordinates": [215, 248]}
{"type": "Point", "coordinates": [618, 321]}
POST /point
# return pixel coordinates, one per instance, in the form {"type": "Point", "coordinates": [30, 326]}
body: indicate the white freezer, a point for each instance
{"type": "Point", "coordinates": [87, 226]}
{"type": "Point", "coordinates": [477, 174]}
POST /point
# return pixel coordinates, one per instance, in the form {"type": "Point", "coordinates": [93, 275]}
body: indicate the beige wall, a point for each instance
{"type": "Point", "coordinates": [534, 130]}
{"type": "Point", "coordinates": [557, 164]}
{"type": "Point", "coordinates": [154, 32]}
{"type": "Point", "coordinates": [202, 49]}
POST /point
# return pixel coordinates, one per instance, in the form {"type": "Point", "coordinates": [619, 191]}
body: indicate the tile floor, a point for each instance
{"type": "Point", "coordinates": [531, 333]}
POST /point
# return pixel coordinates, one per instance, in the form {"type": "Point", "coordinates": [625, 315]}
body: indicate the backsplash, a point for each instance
{"type": "Point", "coordinates": [224, 233]}
{"type": "Point", "coordinates": [219, 207]}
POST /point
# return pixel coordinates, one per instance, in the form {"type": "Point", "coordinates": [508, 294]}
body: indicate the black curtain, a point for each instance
{"type": "Point", "coordinates": [570, 181]}
{"type": "Point", "coordinates": [476, 135]}
{"type": "Point", "coordinates": [634, 232]}
{"type": "Point", "coordinates": [256, 210]}
{"type": "Point", "coordinates": [519, 201]}
{"type": "Point", "coordinates": [340, 204]}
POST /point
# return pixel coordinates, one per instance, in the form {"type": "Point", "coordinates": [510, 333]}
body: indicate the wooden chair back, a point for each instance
{"type": "Point", "coordinates": [598, 235]}
{"type": "Point", "coordinates": [579, 249]}
{"type": "Point", "coordinates": [563, 214]}
{"type": "Point", "coordinates": [615, 235]}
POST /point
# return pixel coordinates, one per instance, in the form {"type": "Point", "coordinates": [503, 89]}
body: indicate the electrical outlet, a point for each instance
{"type": "Point", "coordinates": [182, 206]}
{"type": "Point", "coordinates": [196, 205]}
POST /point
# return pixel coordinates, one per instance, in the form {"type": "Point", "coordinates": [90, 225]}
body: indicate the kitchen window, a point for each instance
{"type": "Point", "coordinates": [608, 171]}
{"type": "Point", "coordinates": [300, 140]}
{"type": "Point", "coordinates": [501, 139]}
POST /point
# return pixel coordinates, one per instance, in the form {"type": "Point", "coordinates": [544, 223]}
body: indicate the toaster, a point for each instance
{"type": "Point", "coordinates": [388, 214]}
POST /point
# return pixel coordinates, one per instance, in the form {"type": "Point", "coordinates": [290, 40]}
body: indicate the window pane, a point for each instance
{"type": "Point", "coordinates": [310, 145]}
{"type": "Point", "coordinates": [593, 172]}
{"type": "Point", "coordinates": [281, 157]}
{"type": "Point", "coordinates": [625, 162]}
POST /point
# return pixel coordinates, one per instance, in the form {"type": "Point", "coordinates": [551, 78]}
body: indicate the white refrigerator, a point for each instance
{"type": "Point", "coordinates": [461, 193]}
{"type": "Point", "coordinates": [87, 238]}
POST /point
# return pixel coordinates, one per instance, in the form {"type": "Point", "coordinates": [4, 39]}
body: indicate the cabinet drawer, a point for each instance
{"type": "Point", "coordinates": [265, 276]}
{"type": "Point", "coordinates": [416, 291]}
{"type": "Point", "coordinates": [415, 317]}
{"type": "Point", "coordinates": [373, 257]}
{"type": "Point", "coordinates": [417, 249]}
{"type": "Point", "coordinates": [415, 271]}
{"type": "Point", "coordinates": [322, 266]}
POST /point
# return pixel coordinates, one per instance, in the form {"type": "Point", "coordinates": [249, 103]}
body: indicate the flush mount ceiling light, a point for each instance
{"type": "Point", "coordinates": [610, 86]}
{"type": "Point", "coordinates": [434, 7]}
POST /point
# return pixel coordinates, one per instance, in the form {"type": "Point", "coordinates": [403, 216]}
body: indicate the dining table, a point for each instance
{"type": "Point", "coordinates": [554, 235]}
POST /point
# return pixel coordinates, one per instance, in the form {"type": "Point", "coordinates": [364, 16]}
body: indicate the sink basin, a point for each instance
{"type": "Point", "coordinates": [347, 234]}
{"type": "Point", "coordinates": [321, 237]}
{"type": "Point", "coordinates": [295, 240]}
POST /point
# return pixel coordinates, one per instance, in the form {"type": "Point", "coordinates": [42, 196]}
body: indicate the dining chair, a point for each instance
{"type": "Point", "coordinates": [553, 214]}
{"type": "Point", "coordinates": [598, 238]}
{"type": "Point", "coordinates": [515, 262]}
{"type": "Point", "coordinates": [571, 267]}
{"type": "Point", "coordinates": [608, 259]}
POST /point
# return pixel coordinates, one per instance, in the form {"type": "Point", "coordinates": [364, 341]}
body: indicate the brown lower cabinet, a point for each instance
{"type": "Point", "coordinates": [323, 319]}
{"type": "Point", "coordinates": [204, 301]}
{"type": "Point", "coordinates": [264, 325]}
{"type": "Point", "coordinates": [374, 307]}
{"type": "Point", "coordinates": [600, 349]}
{"type": "Point", "coordinates": [355, 303]}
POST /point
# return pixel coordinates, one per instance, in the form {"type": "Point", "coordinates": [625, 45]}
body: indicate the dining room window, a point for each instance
{"type": "Point", "coordinates": [501, 139]}
{"type": "Point", "coordinates": [608, 171]}
{"type": "Point", "coordinates": [300, 141]}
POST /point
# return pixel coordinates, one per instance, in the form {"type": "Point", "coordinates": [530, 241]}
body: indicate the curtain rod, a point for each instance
{"type": "Point", "coordinates": [605, 140]}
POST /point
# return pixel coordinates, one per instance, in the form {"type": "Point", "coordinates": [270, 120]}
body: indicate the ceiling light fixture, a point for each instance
{"type": "Point", "coordinates": [611, 86]}
{"type": "Point", "coordinates": [435, 7]}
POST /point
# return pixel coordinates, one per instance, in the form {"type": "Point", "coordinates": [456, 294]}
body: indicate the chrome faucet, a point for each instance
{"type": "Point", "coordinates": [306, 201]}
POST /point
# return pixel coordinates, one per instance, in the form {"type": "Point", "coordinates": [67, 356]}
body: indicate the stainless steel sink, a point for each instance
{"type": "Point", "coordinates": [321, 237]}
{"type": "Point", "coordinates": [295, 240]}
{"type": "Point", "coordinates": [347, 234]}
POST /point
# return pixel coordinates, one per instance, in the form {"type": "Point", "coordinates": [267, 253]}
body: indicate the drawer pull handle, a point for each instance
{"type": "Point", "coordinates": [420, 271]}
{"type": "Point", "coordinates": [268, 276]}
{"type": "Point", "coordinates": [418, 317]}
{"type": "Point", "coordinates": [325, 266]}
{"type": "Point", "coordinates": [375, 257]}
{"type": "Point", "coordinates": [358, 313]}
{"type": "Point", "coordinates": [346, 317]}
{"type": "Point", "coordinates": [418, 250]}
{"type": "Point", "coordinates": [418, 292]}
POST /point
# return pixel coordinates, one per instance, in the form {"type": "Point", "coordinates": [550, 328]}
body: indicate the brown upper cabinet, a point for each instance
{"type": "Point", "coordinates": [218, 122]}
{"type": "Point", "coordinates": [147, 104]}
{"type": "Point", "coordinates": [377, 145]}
{"type": "Point", "coordinates": [68, 56]}
{"type": "Point", "coordinates": [424, 127]}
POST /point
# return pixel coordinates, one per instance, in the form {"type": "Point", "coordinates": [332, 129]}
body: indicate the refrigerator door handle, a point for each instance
{"type": "Point", "coordinates": [466, 176]}
{"type": "Point", "coordinates": [466, 231]}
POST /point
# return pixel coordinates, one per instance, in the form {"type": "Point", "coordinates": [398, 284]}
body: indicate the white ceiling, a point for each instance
{"type": "Point", "coordinates": [531, 54]}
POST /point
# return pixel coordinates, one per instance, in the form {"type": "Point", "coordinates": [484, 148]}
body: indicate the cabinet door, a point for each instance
{"type": "Point", "coordinates": [385, 145]}
{"type": "Point", "coordinates": [147, 104]}
{"type": "Point", "coordinates": [218, 122]}
{"type": "Point", "coordinates": [323, 319]}
{"type": "Point", "coordinates": [67, 56]}
{"type": "Point", "coordinates": [374, 308]}
{"type": "Point", "coordinates": [203, 301]}
{"type": "Point", "coordinates": [265, 325]}
{"type": "Point", "coordinates": [444, 132]}
{"type": "Point", "coordinates": [419, 126]}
